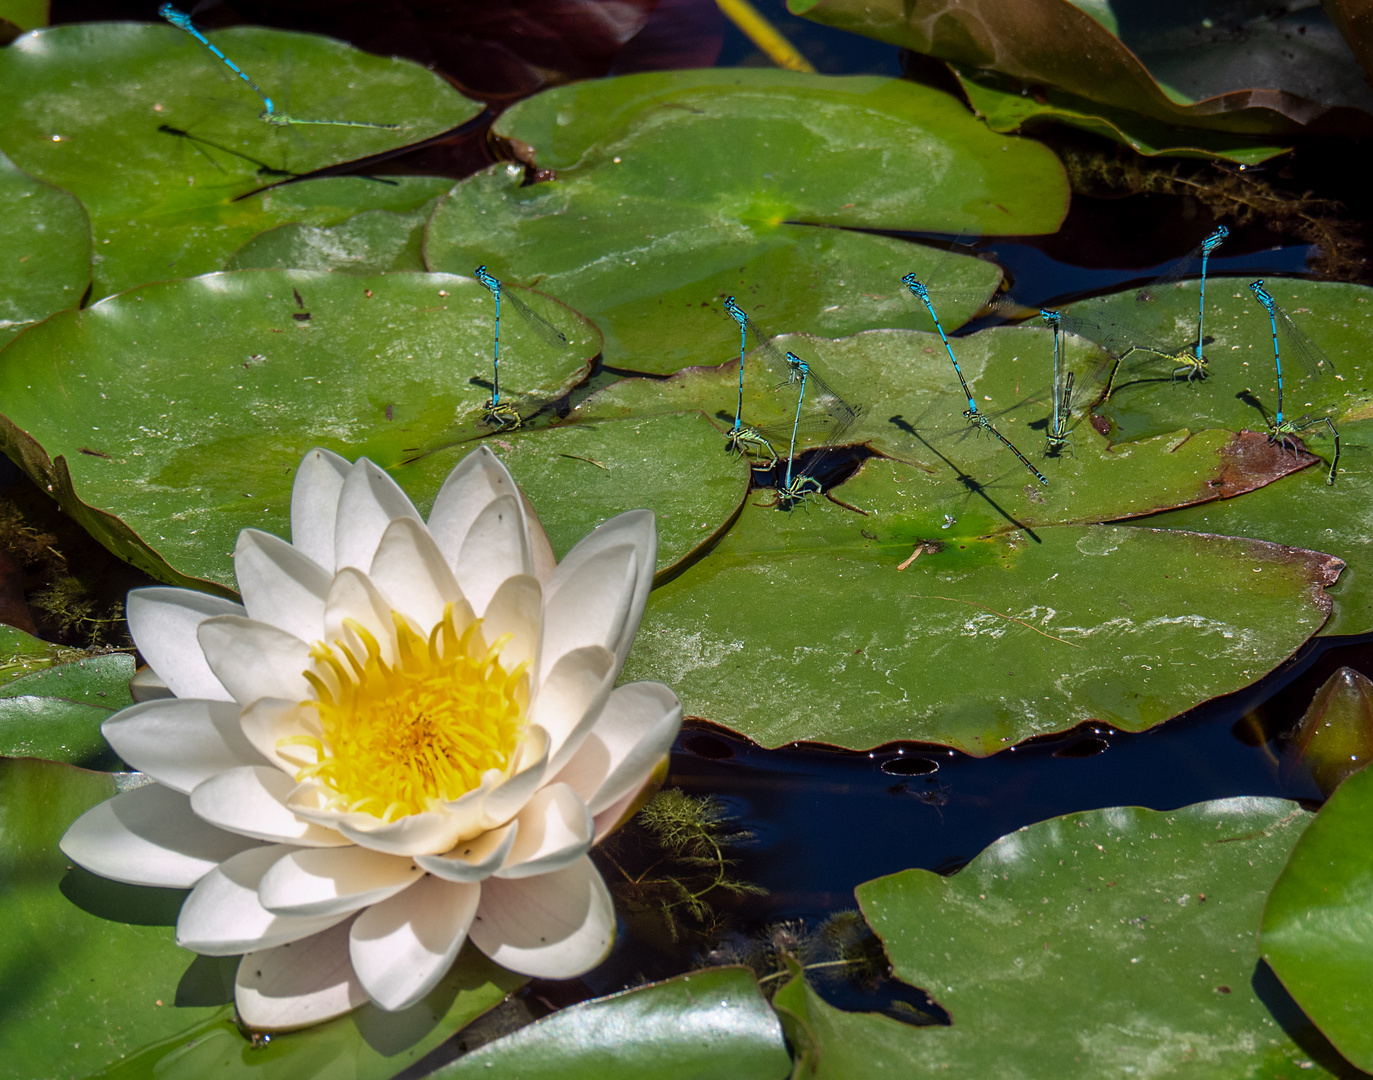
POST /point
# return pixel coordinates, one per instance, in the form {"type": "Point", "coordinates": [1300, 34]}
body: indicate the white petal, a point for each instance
{"type": "Point", "coordinates": [429, 832]}
{"type": "Point", "coordinates": [555, 827]}
{"type": "Point", "coordinates": [180, 742]}
{"type": "Point", "coordinates": [516, 609]}
{"type": "Point", "coordinates": [540, 550]}
{"type": "Point", "coordinates": [314, 505]}
{"type": "Point", "coordinates": [299, 984]}
{"type": "Point", "coordinates": [369, 502]}
{"type": "Point", "coordinates": [148, 836]}
{"type": "Point", "coordinates": [147, 685]}
{"type": "Point", "coordinates": [508, 797]}
{"type": "Point", "coordinates": [402, 947]}
{"type": "Point", "coordinates": [269, 720]}
{"type": "Point", "coordinates": [325, 881]}
{"type": "Point", "coordinates": [473, 860]}
{"type": "Point", "coordinates": [163, 622]}
{"type": "Point", "coordinates": [496, 547]}
{"type": "Point", "coordinates": [555, 926]}
{"type": "Point", "coordinates": [222, 916]}
{"type": "Point", "coordinates": [254, 660]}
{"type": "Point", "coordinates": [570, 699]}
{"type": "Point", "coordinates": [411, 573]}
{"type": "Point", "coordinates": [426, 833]}
{"type": "Point", "coordinates": [353, 596]}
{"type": "Point", "coordinates": [281, 586]}
{"type": "Point", "coordinates": [475, 481]}
{"type": "Point", "coordinates": [591, 606]}
{"type": "Point", "coordinates": [634, 527]}
{"type": "Point", "coordinates": [635, 729]}
{"type": "Point", "coordinates": [252, 801]}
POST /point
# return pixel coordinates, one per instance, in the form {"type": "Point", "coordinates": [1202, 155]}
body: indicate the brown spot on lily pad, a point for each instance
{"type": "Point", "coordinates": [1250, 460]}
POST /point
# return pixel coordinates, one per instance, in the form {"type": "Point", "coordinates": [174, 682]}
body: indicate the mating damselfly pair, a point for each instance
{"type": "Point", "coordinates": [1133, 353]}
{"type": "Point", "coordinates": [837, 416]}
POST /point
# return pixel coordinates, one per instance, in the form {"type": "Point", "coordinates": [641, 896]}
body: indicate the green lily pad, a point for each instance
{"type": "Point", "coordinates": [1009, 109]}
{"type": "Point", "coordinates": [1112, 943]}
{"type": "Point", "coordinates": [674, 190]}
{"type": "Point", "coordinates": [45, 250]}
{"type": "Point", "coordinates": [914, 413]}
{"type": "Point", "coordinates": [769, 146]}
{"type": "Point", "coordinates": [1316, 925]}
{"type": "Point", "coordinates": [101, 679]}
{"type": "Point", "coordinates": [1338, 319]}
{"type": "Point", "coordinates": [831, 1044]}
{"type": "Point", "coordinates": [95, 980]}
{"type": "Point", "coordinates": [99, 97]}
{"type": "Point", "coordinates": [1209, 68]}
{"type": "Point", "coordinates": [22, 654]}
{"type": "Point", "coordinates": [1301, 510]}
{"type": "Point", "coordinates": [671, 316]}
{"type": "Point", "coordinates": [579, 475]}
{"type": "Point", "coordinates": [187, 405]}
{"type": "Point", "coordinates": [709, 1025]}
{"type": "Point", "coordinates": [373, 242]}
{"type": "Point", "coordinates": [56, 714]}
{"type": "Point", "coordinates": [800, 626]}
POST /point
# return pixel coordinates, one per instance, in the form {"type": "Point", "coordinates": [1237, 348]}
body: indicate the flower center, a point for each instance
{"type": "Point", "coordinates": [400, 738]}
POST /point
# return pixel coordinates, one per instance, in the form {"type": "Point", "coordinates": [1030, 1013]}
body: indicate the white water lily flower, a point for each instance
{"type": "Point", "coordinates": [407, 736]}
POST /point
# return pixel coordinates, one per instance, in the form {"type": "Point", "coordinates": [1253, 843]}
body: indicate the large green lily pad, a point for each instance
{"type": "Point", "coordinates": [45, 250]}
{"type": "Point", "coordinates": [98, 96]}
{"type": "Point", "coordinates": [772, 145]}
{"type": "Point", "coordinates": [709, 1025]}
{"type": "Point", "coordinates": [56, 714]}
{"type": "Point", "coordinates": [1112, 943]}
{"type": "Point", "coordinates": [1316, 925]}
{"type": "Point", "coordinates": [800, 626]}
{"type": "Point", "coordinates": [673, 190]}
{"type": "Point", "coordinates": [1302, 510]}
{"type": "Point", "coordinates": [914, 413]}
{"type": "Point", "coordinates": [167, 419]}
{"type": "Point", "coordinates": [93, 979]}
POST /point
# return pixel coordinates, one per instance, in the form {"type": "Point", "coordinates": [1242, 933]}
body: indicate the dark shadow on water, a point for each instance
{"type": "Point", "coordinates": [1268, 988]}
{"type": "Point", "coordinates": [890, 997]}
{"type": "Point", "coordinates": [137, 905]}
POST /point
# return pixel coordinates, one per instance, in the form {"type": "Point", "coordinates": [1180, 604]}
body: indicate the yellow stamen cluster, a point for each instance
{"type": "Point", "coordinates": [398, 739]}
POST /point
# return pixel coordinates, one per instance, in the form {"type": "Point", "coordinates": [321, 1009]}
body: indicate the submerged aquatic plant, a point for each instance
{"type": "Point", "coordinates": [675, 863]}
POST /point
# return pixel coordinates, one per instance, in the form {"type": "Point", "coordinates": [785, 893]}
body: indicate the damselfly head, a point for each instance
{"type": "Point", "coordinates": [915, 286]}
